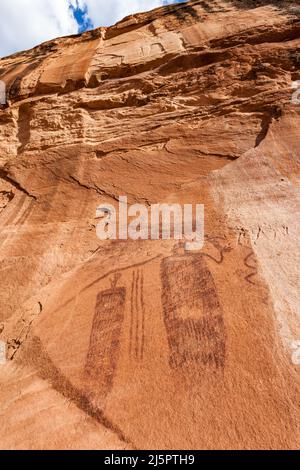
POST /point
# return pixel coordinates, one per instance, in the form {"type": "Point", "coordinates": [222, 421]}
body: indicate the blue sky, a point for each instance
{"type": "Point", "coordinates": [26, 23]}
{"type": "Point", "coordinates": [82, 17]}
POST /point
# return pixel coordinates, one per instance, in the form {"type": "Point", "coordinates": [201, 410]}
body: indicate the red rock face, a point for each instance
{"type": "Point", "coordinates": [136, 344]}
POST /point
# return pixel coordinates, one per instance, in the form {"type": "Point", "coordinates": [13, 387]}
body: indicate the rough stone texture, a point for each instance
{"type": "Point", "coordinates": [136, 344]}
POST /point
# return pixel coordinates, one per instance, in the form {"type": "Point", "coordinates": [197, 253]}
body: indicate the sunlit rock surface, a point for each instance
{"type": "Point", "coordinates": [137, 344]}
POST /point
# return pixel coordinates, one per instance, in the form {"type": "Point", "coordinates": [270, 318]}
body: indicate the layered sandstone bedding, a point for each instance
{"type": "Point", "coordinates": [139, 344]}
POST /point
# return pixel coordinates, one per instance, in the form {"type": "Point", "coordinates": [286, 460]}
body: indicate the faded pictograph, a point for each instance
{"type": "Point", "coordinates": [296, 94]}
{"type": "Point", "coordinates": [193, 316]}
{"type": "Point", "coordinates": [137, 316]}
{"type": "Point", "coordinates": [2, 92]}
{"type": "Point", "coordinates": [104, 345]}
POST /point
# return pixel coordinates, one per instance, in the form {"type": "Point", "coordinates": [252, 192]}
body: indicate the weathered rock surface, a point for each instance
{"type": "Point", "coordinates": [133, 344]}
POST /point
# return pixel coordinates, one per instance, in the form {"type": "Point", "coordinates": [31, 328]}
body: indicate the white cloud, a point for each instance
{"type": "Point", "coordinates": [107, 12]}
{"type": "Point", "coordinates": [26, 23]}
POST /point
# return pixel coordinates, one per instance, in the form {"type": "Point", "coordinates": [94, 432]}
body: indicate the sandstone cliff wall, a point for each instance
{"type": "Point", "coordinates": [136, 344]}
